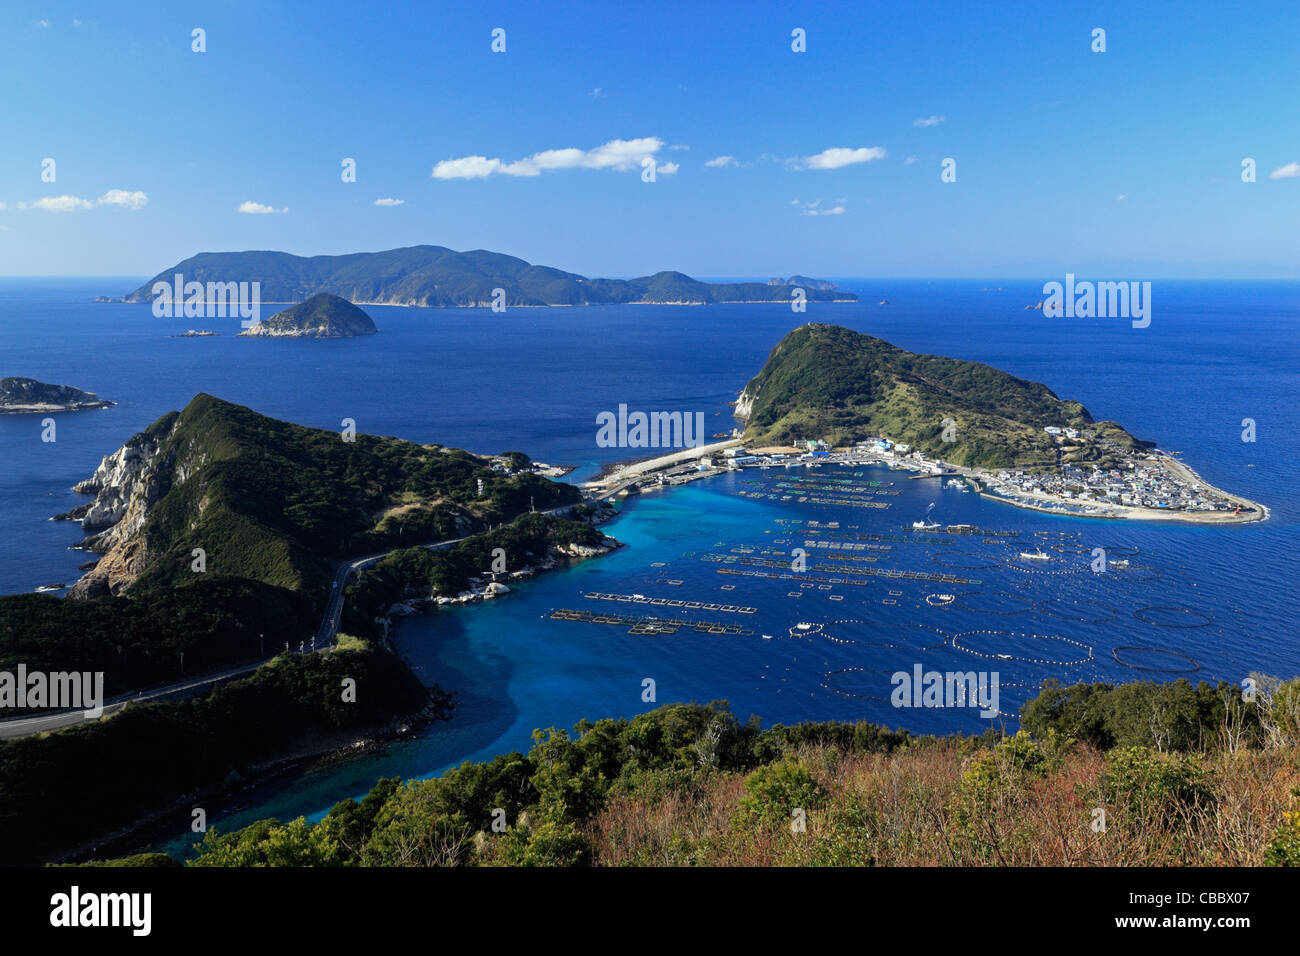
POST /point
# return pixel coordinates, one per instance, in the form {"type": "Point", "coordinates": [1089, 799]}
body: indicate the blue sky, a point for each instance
{"type": "Point", "coordinates": [1123, 164]}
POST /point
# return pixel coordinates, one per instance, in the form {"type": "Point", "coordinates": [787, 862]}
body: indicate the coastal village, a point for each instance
{"type": "Point", "coordinates": [1148, 485]}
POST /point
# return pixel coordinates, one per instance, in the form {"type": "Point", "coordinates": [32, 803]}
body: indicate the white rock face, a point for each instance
{"type": "Point", "coordinates": [744, 406]}
{"type": "Point", "coordinates": [119, 478]}
{"type": "Point", "coordinates": [126, 485]}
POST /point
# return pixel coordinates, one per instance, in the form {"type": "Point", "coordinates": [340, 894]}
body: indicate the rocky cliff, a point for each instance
{"type": "Point", "coordinates": [126, 485]}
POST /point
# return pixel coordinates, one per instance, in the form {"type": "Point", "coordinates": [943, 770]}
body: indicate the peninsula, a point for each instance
{"type": "Point", "coordinates": [437, 277]}
{"type": "Point", "coordinates": [829, 394]}
{"type": "Point", "coordinates": [323, 316]}
{"type": "Point", "coordinates": [28, 396]}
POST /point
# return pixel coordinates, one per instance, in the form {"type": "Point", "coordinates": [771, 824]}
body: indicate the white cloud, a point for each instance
{"type": "Point", "coordinates": [1289, 171]}
{"type": "Point", "coordinates": [840, 156]}
{"type": "Point", "coordinates": [127, 199]}
{"type": "Point", "coordinates": [721, 162]}
{"type": "Point", "coordinates": [929, 121]}
{"type": "Point", "coordinates": [389, 202]}
{"type": "Point", "coordinates": [617, 154]}
{"type": "Point", "coordinates": [2, 205]}
{"type": "Point", "coordinates": [597, 94]}
{"type": "Point", "coordinates": [910, 160]}
{"type": "Point", "coordinates": [815, 208]}
{"type": "Point", "coordinates": [59, 204]}
{"type": "Point", "coordinates": [467, 167]}
{"type": "Point", "coordinates": [43, 23]}
{"type": "Point", "coordinates": [1121, 197]}
{"type": "Point", "coordinates": [258, 209]}
{"type": "Point", "coordinates": [121, 197]}
{"type": "Point", "coordinates": [5, 229]}
{"type": "Point", "coordinates": [667, 169]}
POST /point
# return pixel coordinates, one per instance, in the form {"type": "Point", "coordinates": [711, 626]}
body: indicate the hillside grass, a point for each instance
{"type": "Point", "coordinates": [830, 383]}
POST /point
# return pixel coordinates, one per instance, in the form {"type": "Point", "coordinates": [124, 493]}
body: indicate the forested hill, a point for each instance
{"type": "Point", "coordinates": [439, 277]}
{"type": "Point", "coordinates": [271, 501]}
{"type": "Point", "coordinates": [831, 383]}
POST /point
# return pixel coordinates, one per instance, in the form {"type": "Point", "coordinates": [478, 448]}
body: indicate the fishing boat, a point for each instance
{"type": "Point", "coordinates": [1039, 555]}
{"type": "Point", "coordinates": [925, 525]}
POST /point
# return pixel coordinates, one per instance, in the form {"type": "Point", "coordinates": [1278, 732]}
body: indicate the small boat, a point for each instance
{"type": "Point", "coordinates": [925, 525]}
{"type": "Point", "coordinates": [1039, 555]}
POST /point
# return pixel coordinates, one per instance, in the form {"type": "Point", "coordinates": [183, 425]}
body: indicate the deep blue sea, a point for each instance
{"type": "Point", "coordinates": [1200, 602]}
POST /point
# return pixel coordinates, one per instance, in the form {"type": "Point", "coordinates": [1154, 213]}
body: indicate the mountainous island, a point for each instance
{"type": "Point", "coordinates": [323, 316]}
{"type": "Point", "coordinates": [26, 395]}
{"type": "Point", "coordinates": [434, 276]}
{"type": "Point", "coordinates": [833, 384]}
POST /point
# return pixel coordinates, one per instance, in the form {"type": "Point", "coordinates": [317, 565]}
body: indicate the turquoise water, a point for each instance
{"type": "Point", "coordinates": [516, 669]}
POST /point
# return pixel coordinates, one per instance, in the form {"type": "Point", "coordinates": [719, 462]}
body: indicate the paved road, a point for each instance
{"type": "Point", "coordinates": [325, 638]}
{"type": "Point", "coordinates": [43, 723]}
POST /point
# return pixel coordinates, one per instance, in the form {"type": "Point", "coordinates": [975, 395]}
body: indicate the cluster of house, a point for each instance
{"type": "Point", "coordinates": [1142, 483]}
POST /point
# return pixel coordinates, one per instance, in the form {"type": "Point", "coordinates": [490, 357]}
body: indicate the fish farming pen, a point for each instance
{"type": "Point", "coordinates": [858, 572]}
{"type": "Point", "coordinates": [836, 545]}
{"type": "Point", "coordinates": [965, 529]}
{"type": "Point", "coordinates": [665, 602]}
{"type": "Point", "coordinates": [646, 625]}
{"type": "Point", "coordinates": [895, 538]}
{"type": "Point", "coordinates": [771, 563]}
{"type": "Point", "coordinates": [839, 502]}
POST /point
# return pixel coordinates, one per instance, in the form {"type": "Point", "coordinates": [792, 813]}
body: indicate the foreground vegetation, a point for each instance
{"type": "Point", "coordinates": [1094, 779]}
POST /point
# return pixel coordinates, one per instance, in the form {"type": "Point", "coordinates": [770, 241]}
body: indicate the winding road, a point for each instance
{"type": "Point", "coordinates": [324, 640]}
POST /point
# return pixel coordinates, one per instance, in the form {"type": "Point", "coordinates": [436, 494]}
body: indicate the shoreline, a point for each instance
{"type": "Point", "coordinates": [630, 472]}
{"type": "Point", "coordinates": [53, 409]}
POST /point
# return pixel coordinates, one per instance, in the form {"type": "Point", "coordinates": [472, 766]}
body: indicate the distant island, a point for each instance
{"type": "Point", "coordinates": [437, 277]}
{"type": "Point", "coordinates": [807, 284]}
{"type": "Point", "coordinates": [28, 396]}
{"type": "Point", "coordinates": [323, 316]}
